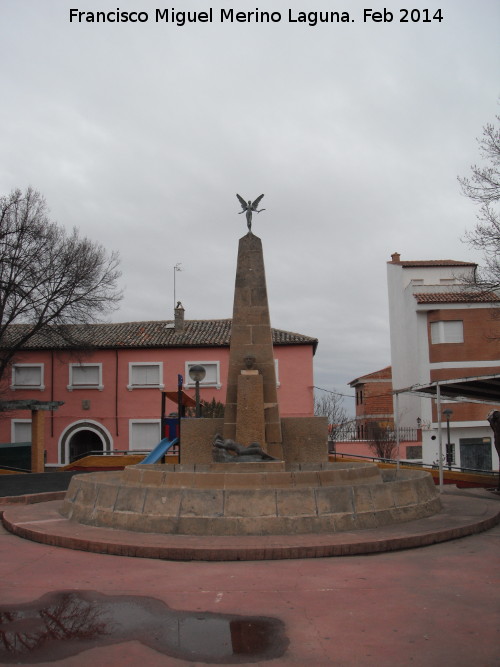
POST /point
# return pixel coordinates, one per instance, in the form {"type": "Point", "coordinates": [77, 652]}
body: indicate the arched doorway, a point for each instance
{"type": "Point", "coordinates": [83, 437]}
{"type": "Point", "coordinates": [83, 442]}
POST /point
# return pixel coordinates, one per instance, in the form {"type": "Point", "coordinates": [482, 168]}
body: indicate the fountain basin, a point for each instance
{"type": "Point", "coordinates": [268, 498]}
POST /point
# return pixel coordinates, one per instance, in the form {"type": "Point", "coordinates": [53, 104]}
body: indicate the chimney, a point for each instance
{"type": "Point", "coordinates": [395, 257]}
{"type": "Point", "coordinates": [179, 317]}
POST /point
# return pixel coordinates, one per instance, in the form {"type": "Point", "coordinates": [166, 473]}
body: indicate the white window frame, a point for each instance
{"type": "Point", "coordinates": [189, 384]}
{"type": "Point", "coordinates": [276, 370]}
{"type": "Point", "coordinates": [133, 364]}
{"type": "Point", "coordinates": [13, 424]}
{"type": "Point", "coordinates": [23, 387]}
{"type": "Point", "coordinates": [134, 422]}
{"type": "Point", "coordinates": [438, 332]}
{"type": "Point", "coordinates": [72, 386]}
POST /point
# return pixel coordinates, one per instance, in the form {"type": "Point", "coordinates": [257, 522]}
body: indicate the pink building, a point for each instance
{"type": "Point", "coordinates": [112, 390]}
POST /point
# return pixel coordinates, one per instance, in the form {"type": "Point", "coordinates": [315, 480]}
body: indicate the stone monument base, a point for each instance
{"type": "Point", "coordinates": [304, 440]}
{"type": "Point", "coordinates": [268, 498]}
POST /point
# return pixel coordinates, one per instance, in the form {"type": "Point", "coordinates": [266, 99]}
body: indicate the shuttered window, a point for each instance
{"type": "Point", "coordinates": [27, 376]}
{"type": "Point", "coordinates": [145, 375]}
{"type": "Point", "coordinates": [447, 331]}
{"type": "Point", "coordinates": [144, 435]}
{"type": "Point", "coordinates": [85, 376]}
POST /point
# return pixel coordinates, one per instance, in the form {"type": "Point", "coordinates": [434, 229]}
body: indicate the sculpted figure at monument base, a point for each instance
{"type": "Point", "coordinates": [228, 451]}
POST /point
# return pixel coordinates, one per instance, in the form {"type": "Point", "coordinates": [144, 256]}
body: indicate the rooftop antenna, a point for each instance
{"type": "Point", "coordinates": [177, 267]}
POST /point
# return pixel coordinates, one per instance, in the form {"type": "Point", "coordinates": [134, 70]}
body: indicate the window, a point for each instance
{"type": "Point", "coordinates": [414, 452]}
{"type": "Point", "coordinates": [145, 375]}
{"type": "Point", "coordinates": [145, 434]}
{"type": "Point", "coordinates": [276, 370]}
{"type": "Point", "coordinates": [451, 331]}
{"type": "Point", "coordinates": [449, 458]}
{"type": "Point", "coordinates": [212, 376]}
{"type": "Point", "coordinates": [27, 376]}
{"type": "Point", "coordinates": [21, 430]}
{"type": "Point", "coordinates": [85, 376]}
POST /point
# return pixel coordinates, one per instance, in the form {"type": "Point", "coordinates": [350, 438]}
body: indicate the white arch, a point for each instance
{"type": "Point", "coordinates": [82, 425]}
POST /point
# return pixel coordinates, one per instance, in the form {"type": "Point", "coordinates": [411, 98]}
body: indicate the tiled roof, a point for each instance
{"type": "Point", "coordinates": [433, 262]}
{"type": "Point", "coordinates": [156, 334]}
{"type": "Point", "coordinates": [382, 374]}
{"type": "Point", "coordinates": [456, 297]}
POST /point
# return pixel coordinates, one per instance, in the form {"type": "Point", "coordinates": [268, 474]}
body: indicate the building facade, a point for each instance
{"type": "Point", "coordinates": [441, 330]}
{"type": "Point", "coordinates": [374, 428]}
{"type": "Point", "coordinates": [373, 401]}
{"type": "Point", "coordinates": [112, 385]}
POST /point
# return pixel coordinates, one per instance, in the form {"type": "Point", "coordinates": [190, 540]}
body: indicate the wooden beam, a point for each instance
{"type": "Point", "coordinates": [29, 404]}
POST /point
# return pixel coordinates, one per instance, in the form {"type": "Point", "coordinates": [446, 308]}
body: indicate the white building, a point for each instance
{"type": "Point", "coordinates": [440, 331]}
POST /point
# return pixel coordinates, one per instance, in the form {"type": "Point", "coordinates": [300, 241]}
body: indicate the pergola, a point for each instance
{"type": "Point", "coordinates": [38, 410]}
{"type": "Point", "coordinates": [474, 389]}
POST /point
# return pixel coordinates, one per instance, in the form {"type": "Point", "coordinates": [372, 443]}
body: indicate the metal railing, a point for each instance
{"type": "Point", "coordinates": [430, 466]}
{"type": "Point", "coordinates": [13, 469]}
{"type": "Point", "coordinates": [353, 433]}
{"type": "Point", "coordinates": [118, 452]}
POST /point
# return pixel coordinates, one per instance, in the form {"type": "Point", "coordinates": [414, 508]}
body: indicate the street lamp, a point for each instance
{"type": "Point", "coordinates": [449, 454]}
{"type": "Point", "coordinates": [197, 373]}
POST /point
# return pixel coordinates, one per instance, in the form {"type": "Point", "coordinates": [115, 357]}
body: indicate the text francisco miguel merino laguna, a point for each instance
{"type": "Point", "coordinates": [228, 15]}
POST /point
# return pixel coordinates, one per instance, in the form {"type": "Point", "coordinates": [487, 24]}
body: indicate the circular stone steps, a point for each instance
{"type": "Point", "coordinates": [250, 498]}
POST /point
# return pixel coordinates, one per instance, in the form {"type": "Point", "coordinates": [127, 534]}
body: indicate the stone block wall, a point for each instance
{"type": "Point", "coordinates": [305, 439]}
{"type": "Point", "coordinates": [196, 439]}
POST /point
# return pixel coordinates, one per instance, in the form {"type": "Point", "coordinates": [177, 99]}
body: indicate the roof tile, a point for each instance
{"type": "Point", "coordinates": [456, 297]}
{"type": "Point", "coordinates": [154, 334]}
{"type": "Point", "coordinates": [432, 262]}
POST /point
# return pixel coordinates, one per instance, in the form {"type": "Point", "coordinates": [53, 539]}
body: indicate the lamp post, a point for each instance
{"type": "Point", "coordinates": [197, 373]}
{"type": "Point", "coordinates": [449, 454]}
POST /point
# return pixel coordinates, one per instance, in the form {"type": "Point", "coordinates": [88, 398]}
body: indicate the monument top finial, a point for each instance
{"type": "Point", "coordinates": [249, 208]}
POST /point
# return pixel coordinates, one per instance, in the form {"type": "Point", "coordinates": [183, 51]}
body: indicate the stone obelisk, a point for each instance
{"type": "Point", "coordinates": [252, 411]}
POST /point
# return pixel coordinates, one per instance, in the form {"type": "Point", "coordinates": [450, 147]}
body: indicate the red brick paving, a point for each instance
{"type": "Point", "coordinates": [433, 606]}
{"type": "Point", "coordinates": [462, 515]}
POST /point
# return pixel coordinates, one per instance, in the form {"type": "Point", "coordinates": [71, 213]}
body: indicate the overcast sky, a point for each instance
{"type": "Point", "coordinates": [140, 134]}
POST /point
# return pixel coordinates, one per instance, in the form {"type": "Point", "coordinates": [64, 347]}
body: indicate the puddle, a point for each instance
{"type": "Point", "coordinates": [60, 625]}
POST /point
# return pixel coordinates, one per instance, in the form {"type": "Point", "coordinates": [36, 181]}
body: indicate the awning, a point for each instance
{"type": "Point", "coordinates": [475, 389]}
{"type": "Point", "coordinates": [187, 401]}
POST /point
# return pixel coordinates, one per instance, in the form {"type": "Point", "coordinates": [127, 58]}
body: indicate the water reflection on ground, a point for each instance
{"type": "Point", "coordinates": [62, 624]}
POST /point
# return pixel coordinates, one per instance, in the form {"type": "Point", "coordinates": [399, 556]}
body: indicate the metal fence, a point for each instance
{"type": "Point", "coordinates": [419, 464]}
{"type": "Point", "coordinates": [367, 433]}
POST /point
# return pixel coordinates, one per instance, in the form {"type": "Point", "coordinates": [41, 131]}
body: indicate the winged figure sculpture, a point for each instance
{"type": "Point", "coordinates": [249, 208]}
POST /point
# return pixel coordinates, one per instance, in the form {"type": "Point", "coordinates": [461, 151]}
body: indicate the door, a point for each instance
{"type": "Point", "coordinates": [82, 442]}
{"type": "Point", "coordinates": [475, 453]}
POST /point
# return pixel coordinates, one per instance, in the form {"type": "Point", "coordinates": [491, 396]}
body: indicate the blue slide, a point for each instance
{"type": "Point", "coordinates": [161, 448]}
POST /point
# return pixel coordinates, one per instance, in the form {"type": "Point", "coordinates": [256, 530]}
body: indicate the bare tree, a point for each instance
{"type": "Point", "coordinates": [483, 188]}
{"type": "Point", "coordinates": [382, 440]}
{"type": "Point", "coordinates": [330, 405]}
{"type": "Point", "coordinates": [49, 279]}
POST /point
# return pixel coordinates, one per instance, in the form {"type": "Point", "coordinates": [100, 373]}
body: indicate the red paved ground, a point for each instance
{"type": "Point", "coordinates": [437, 605]}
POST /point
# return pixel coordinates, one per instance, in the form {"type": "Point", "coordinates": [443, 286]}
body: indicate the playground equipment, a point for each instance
{"type": "Point", "coordinates": [160, 450]}
{"type": "Point", "coordinates": [170, 425]}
